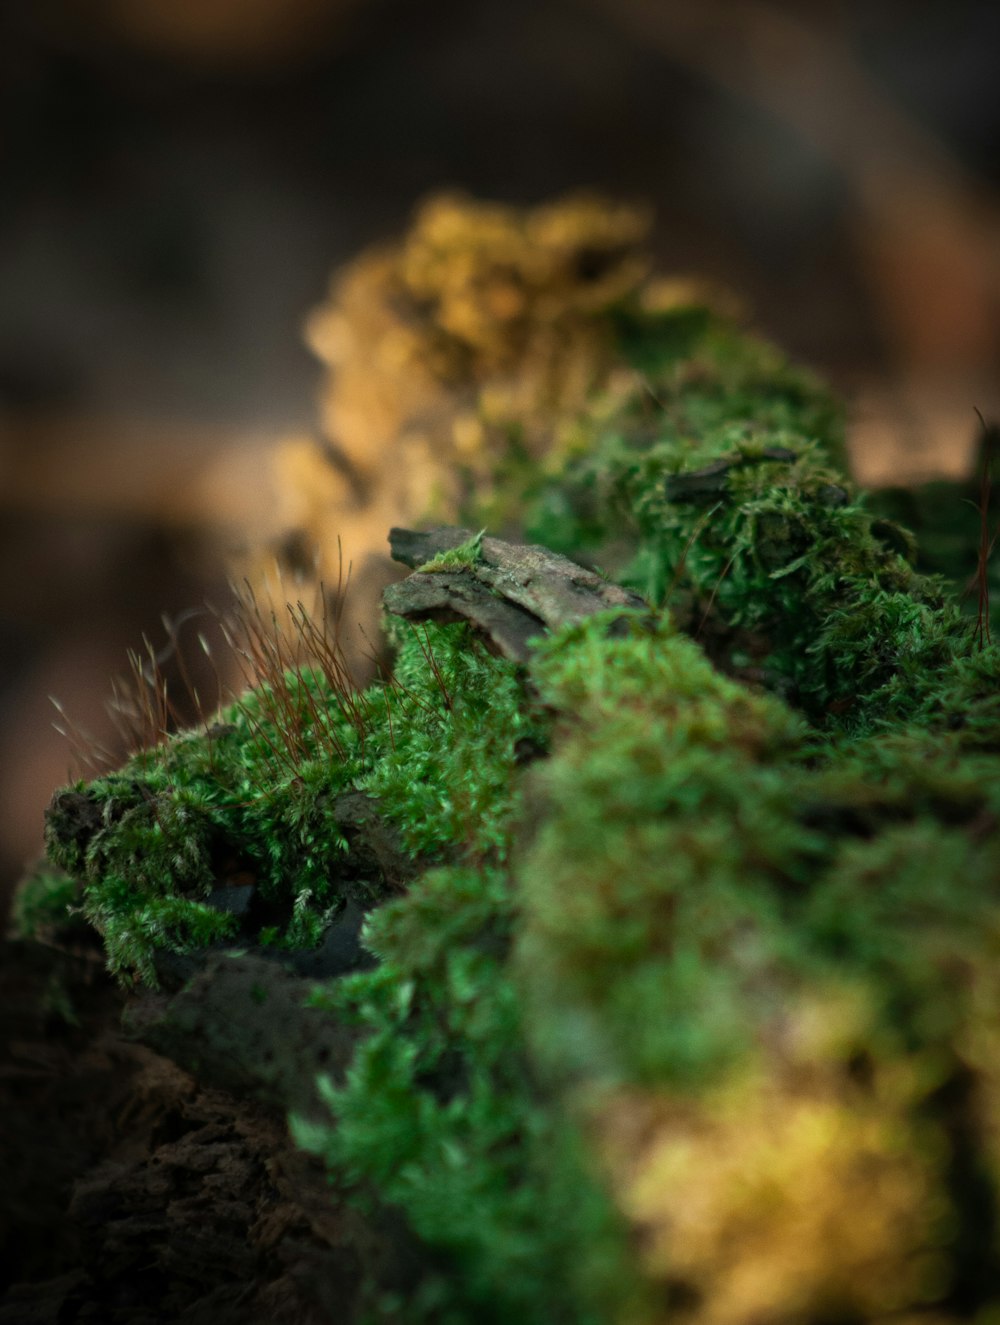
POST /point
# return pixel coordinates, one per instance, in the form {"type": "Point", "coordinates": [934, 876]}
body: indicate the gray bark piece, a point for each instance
{"type": "Point", "coordinates": [512, 592]}
{"type": "Point", "coordinates": [459, 596]}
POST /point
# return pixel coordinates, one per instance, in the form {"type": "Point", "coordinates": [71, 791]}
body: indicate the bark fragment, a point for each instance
{"type": "Point", "coordinates": [512, 592]}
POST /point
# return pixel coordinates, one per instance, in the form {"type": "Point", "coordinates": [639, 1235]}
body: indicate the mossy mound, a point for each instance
{"type": "Point", "coordinates": [679, 996]}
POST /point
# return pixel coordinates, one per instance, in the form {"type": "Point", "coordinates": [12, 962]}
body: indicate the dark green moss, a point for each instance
{"type": "Point", "coordinates": [746, 528]}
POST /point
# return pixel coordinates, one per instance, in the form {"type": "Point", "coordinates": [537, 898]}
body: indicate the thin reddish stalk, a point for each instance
{"type": "Point", "coordinates": [980, 580]}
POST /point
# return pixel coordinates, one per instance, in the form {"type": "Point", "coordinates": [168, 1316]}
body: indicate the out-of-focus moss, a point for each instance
{"type": "Point", "coordinates": [755, 975]}
{"type": "Point", "coordinates": [45, 899]}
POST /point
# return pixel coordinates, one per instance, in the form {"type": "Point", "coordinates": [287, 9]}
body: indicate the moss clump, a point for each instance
{"type": "Point", "coordinates": [714, 486]}
{"type": "Point", "coordinates": [484, 322]}
{"type": "Point", "coordinates": [466, 555]}
{"type": "Point", "coordinates": [740, 964]}
{"type": "Point", "coordinates": [659, 758]}
{"type": "Point", "coordinates": [256, 796]}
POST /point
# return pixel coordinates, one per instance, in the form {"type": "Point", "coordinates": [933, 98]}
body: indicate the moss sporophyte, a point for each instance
{"type": "Point", "coordinates": [673, 890]}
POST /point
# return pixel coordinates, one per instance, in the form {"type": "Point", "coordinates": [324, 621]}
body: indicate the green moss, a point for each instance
{"type": "Point", "coordinates": [441, 1115]}
{"type": "Point", "coordinates": [765, 555]}
{"type": "Point", "coordinates": [705, 905]}
{"type": "Point", "coordinates": [661, 759]}
{"type": "Point", "coordinates": [447, 776]}
{"type": "Point", "coordinates": [45, 899]}
{"type": "Point", "coordinates": [715, 485]}
{"type": "Point", "coordinates": [465, 555]}
{"type": "Point", "coordinates": [632, 972]}
{"type": "Point", "coordinates": [438, 748]}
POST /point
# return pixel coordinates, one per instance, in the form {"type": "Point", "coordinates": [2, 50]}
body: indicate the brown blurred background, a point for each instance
{"type": "Point", "coordinates": [179, 177]}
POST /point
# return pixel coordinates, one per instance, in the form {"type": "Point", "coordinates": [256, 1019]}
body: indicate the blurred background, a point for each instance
{"type": "Point", "coordinates": [178, 179]}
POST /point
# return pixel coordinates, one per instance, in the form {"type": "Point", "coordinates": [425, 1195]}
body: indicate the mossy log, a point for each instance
{"type": "Point", "coordinates": [673, 837]}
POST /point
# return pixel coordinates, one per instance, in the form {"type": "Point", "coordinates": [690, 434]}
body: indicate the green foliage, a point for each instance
{"type": "Point", "coordinates": [661, 759]}
{"type": "Point", "coordinates": [966, 701]}
{"type": "Point", "coordinates": [440, 1115]}
{"type": "Point", "coordinates": [709, 898]}
{"type": "Point", "coordinates": [764, 555]}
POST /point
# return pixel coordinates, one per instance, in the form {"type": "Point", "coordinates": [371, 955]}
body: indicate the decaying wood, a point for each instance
{"type": "Point", "coordinates": [133, 1195]}
{"type": "Point", "coordinates": [242, 1024]}
{"type": "Point", "coordinates": [513, 592]}
{"type": "Point", "coordinates": [458, 596]}
{"type": "Point", "coordinates": [374, 846]}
